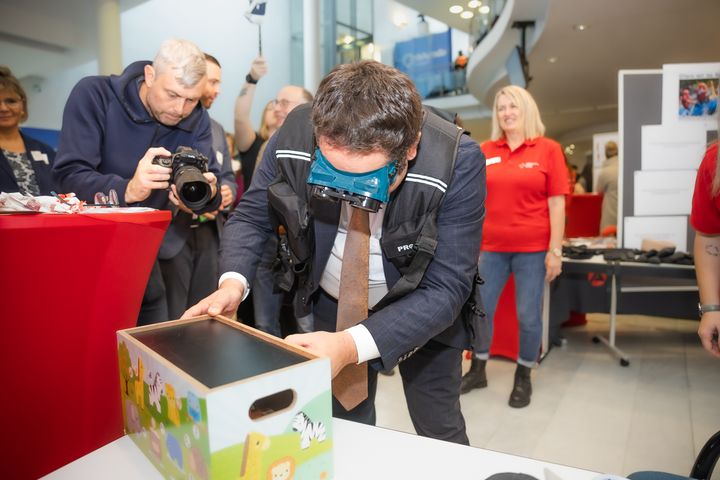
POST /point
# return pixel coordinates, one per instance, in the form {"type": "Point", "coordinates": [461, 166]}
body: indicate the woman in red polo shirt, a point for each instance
{"type": "Point", "coordinates": [705, 219]}
{"type": "Point", "coordinates": [525, 215]}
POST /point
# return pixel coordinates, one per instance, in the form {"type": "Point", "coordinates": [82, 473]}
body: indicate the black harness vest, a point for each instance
{"type": "Point", "coordinates": [409, 235]}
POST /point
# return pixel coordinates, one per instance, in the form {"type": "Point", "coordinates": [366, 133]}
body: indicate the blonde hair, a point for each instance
{"type": "Point", "coordinates": [183, 58]}
{"type": "Point", "coordinates": [264, 129]}
{"type": "Point", "coordinates": [533, 126]}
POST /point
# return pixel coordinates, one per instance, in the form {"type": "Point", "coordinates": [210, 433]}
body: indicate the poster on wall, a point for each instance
{"type": "Point", "coordinates": [427, 61]}
{"type": "Point", "coordinates": [690, 94]}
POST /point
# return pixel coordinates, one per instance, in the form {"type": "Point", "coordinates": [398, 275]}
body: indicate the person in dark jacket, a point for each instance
{"type": "Point", "coordinates": [113, 128]}
{"type": "Point", "coordinates": [24, 162]}
{"type": "Point", "coordinates": [367, 120]}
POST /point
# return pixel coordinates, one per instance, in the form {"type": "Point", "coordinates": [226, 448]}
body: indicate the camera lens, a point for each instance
{"type": "Point", "coordinates": [192, 187]}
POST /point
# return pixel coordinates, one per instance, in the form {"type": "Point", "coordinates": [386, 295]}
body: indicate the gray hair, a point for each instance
{"type": "Point", "coordinates": [183, 59]}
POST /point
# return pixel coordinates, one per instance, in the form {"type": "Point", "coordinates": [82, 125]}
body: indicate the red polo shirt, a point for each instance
{"type": "Point", "coordinates": [519, 183]}
{"type": "Point", "coordinates": [705, 214]}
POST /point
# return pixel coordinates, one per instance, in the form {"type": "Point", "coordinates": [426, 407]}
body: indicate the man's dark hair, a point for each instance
{"type": "Point", "coordinates": [367, 106]}
{"type": "Point", "coordinates": [212, 59]}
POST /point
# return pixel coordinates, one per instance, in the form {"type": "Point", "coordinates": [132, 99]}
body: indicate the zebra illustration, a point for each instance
{"type": "Point", "coordinates": [308, 430]}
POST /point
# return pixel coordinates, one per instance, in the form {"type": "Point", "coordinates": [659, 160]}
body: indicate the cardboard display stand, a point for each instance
{"type": "Point", "coordinates": [210, 398]}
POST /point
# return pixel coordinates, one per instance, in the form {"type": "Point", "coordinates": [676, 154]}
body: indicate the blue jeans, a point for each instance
{"type": "Point", "coordinates": [529, 270]}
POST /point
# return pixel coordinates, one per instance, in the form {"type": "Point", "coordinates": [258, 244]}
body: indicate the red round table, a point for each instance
{"type": "Point", "coordinates": [69, 283]}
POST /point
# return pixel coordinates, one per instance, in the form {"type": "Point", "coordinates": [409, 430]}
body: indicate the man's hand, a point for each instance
{"type": "Point", "coordinates": [224, 301]}
{"type": "Point", "coordinates": [227, 196]}
{"type": "Point", "coordinates": [338, 346]}
{"type": "Point", "coordinates": [148, 176]}
{"type": "Point", "coordinates": [227, 199]}
{"type": "Point", "coordinates": [708, 332]}
{"type": "Point", "coordinates": [258, 68]}
{"type": "Point", "coordinates": [175, 199]}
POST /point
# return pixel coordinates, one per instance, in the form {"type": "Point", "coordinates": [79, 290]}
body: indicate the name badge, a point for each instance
{"type": "Point", "coordinates": [219, 156]}
{"type": "Point", "coordinates": [492, 161]}
{"type": "Point", "coordinates": [39, 156]}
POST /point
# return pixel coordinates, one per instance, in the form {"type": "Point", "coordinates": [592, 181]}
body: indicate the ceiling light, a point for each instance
{"type": "Point", "coordinates": [466, 14]}
{"type": "Point", "coordinates": [580, 27]}
{"type": "Point", "coordinates": [552, 59]}
{"type": "Point", "coordinates": [456, 9]}
{"type": "Point", "coordinates": [474, 3]}
{"type": "Point", "coordinates": [484, 9]}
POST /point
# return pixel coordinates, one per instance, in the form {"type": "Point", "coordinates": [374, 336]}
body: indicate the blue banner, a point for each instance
{"type": "Point", "coordinates": [428, 61]}
{"type": "Point", "coordinates": [51, 137]}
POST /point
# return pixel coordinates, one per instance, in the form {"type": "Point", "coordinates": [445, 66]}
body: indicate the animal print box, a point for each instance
{"type": "Point", "coordinates": [209, 398]}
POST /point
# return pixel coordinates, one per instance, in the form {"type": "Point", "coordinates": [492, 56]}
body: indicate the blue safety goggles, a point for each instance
{"type": "Point", "coordinates": [366, 191]}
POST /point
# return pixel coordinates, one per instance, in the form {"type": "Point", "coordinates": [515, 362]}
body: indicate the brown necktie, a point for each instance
{"type": "Point", "coordinates": [350, 385]}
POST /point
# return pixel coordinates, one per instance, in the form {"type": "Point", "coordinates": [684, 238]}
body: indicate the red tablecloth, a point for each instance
{"type": "Point", "coordinates": [68, 283]}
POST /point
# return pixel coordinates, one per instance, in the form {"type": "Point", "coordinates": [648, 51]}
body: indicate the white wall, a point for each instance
{"type": "Point", "coordinates": [216, 26]}
{"type": "Point", "coordinates": [46, 100]}
{"type": "Point", "coordinates": [219, 28]}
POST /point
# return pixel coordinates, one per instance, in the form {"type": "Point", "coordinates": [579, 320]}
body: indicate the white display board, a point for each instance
{"type": "Point", "coordinates": [664, 192]}
{"type": "Point", "coordinates": [669, 229]}
{"type": "Point", "coordinates": [677, 147]}
{"type": "Point", "coordinates": [666, 119]}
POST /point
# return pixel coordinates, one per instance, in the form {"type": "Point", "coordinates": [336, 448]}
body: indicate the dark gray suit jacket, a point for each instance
{"type": "Point", "coordinates": [414, 319]}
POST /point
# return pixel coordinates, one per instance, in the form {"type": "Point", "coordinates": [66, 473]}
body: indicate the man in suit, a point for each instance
{"type": "Point", "coordinates": [367, 120]}
{"type": "Point", "coordinates": [113, 128]}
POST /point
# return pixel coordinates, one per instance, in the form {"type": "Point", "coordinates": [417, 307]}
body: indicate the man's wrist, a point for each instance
{"type": "Point", "coordinates": [557, 252]}
{"type": "Point", "coordinates": [249, 79]}
{"type": "Point", "coordinates": [365, 346]}
{"type": "Point", "coordinates": [130, 195]}
{"type": "Point", "coordinates": [235, 280]}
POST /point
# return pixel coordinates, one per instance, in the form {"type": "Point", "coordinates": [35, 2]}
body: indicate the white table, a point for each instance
{"type": "Point", "coordinates": [361, 453]}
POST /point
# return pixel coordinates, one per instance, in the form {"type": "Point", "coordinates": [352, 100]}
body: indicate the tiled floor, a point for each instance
{"type": "Point", "coordinates": [589, 412]}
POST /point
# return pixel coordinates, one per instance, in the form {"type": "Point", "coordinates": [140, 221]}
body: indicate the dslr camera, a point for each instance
{"type": "Point", "coordinates": [188, 166]}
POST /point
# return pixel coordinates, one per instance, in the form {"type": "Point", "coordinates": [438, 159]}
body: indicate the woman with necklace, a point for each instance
{"type": "Point", "coordinates": [25, 163]}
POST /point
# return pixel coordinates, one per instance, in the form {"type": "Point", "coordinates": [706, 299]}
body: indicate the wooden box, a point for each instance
{"type": "Point", "coordinates": [210, 398]}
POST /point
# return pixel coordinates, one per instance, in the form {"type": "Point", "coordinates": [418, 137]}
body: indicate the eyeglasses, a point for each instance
{"type": "Point", "coordinates": [11, 102]}
{"type": "Point", "coordinates": [284, 103]}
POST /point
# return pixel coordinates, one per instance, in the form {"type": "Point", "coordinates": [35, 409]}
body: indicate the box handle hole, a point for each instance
{"type": "Point", "coordinates": [275, 403]}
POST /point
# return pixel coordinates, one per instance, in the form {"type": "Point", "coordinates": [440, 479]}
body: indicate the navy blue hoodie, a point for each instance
{"type": "Point", "coordinates": [106, 130]}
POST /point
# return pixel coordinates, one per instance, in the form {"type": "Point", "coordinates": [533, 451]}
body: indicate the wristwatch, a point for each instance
{"type": "Point", "coordinates": [556, 251]}
{"type": "Point", "coordinates": [702, 309]}
{"type": "Point", "coordinates": [249, 79]}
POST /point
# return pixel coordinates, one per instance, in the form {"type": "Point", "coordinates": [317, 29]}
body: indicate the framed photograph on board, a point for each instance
{"type": "Point", "coordinates": [690, 94]}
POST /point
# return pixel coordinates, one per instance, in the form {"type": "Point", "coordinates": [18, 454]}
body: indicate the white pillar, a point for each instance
{"type": "Point", "coordinates": [311, 44]}
{"type": "Point", "coordinates": [108, 47]}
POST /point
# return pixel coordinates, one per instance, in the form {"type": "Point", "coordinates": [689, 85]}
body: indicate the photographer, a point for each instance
{"type": "Point", "coordinates": [148, 111]}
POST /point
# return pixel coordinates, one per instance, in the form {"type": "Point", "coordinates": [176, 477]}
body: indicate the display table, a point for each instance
{"type": "Point", "coordinates": [361, 452]}
{"type": "Point", "coordinates": [596, 285]}
{"type": "Point", "coordinates": [69, 282]}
